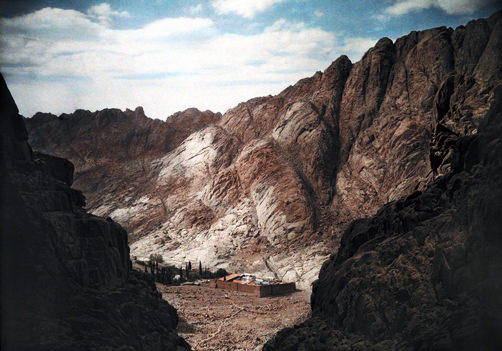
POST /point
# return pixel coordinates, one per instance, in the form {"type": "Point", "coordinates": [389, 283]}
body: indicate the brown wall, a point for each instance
{"type": "Point", "coordinates": [258, 290]}
{"type": "Point", "coordinates": [284, 288]}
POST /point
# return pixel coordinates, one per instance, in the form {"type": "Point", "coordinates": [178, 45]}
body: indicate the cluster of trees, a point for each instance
{"type": "Point", "coordinates": [166, 274]}
{"type": "Point", "coordinates": [161, 274]}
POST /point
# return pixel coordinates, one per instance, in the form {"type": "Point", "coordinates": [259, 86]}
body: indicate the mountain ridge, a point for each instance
{"type": "Point", "coordinates": [277, 179]}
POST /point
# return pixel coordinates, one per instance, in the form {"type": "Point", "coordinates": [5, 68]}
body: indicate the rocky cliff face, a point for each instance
{"type": "Point", "coordinates": [272, 185]}
{"type": "Point", "coordinates": [67, 282]}
{"type": "Point", "coordinates": [112, 151]}
{"type": "Point", "coordinates": [424, 272]}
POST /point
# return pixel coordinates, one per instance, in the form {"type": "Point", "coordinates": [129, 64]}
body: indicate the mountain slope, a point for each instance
{"type": "Point", "coordinates": [424, 272]}
{"type": "Point", "coordinates": [111, 149]}
{"type": "Point", "coordinates": [272, 185]}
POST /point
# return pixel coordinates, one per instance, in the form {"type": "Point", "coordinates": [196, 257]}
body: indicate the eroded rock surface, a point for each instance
{"type": "Point", "coordinates": [112, 152]}
{"type": "Point", "coordinates": [67, 282]}
{"type": "Point", "coordinates": [271, 185]}
{"type": "Point", "coordinates": [424, 273]}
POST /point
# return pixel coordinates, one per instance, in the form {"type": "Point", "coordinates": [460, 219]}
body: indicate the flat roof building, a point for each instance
{"type": "Point", "coordinates": [247, 283]}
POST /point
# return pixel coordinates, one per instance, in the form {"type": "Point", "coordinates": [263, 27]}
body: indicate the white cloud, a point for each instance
{"type": "Point", "coordinates": [452, 7]}
{"type": "Point", "coordinates": [104, 13]}
{"type": "Point", "coordinates": [166, 65]}
{"type": "Point", "coordinates": [50, 19]}
{"type": "Point", "coordinates": [244, 8]}
{"type": "Point", "coordinates": [462, 6]}
{"type": "Point", "coordinates": [195, 10]}
{"type": "Point", "coordinates": [318, 13]}
{"type": "Point", "coordinates": [167, 27]}
{"type": "Point", "coordinates": [355, 47]}
{"type": "Point", "coordinates": [403, 7]}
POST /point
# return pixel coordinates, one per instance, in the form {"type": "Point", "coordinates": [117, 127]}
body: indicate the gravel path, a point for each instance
{"type": "Point", "coordinates": [217, 319]}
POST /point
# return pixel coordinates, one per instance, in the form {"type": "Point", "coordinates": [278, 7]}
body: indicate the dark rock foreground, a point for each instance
{"type": "Point", "coordinates": [424, 273]}
{"type": "Point", "coordinates": [409, 137]}
{"type": "Point", "coordinates": [67, 282]}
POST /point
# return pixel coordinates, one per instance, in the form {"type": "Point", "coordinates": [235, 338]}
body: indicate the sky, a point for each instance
{"type": "Point", "coordinates": [169, 55]}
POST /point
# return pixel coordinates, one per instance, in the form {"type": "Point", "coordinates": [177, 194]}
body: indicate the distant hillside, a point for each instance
{"type": "Point", "coordinates": [112, 150]}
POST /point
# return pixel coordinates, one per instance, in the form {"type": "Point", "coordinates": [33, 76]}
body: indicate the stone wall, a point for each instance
{"type": "Point", "coordinates": [257, 290]}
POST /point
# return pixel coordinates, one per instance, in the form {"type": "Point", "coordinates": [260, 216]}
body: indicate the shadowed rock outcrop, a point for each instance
{"type": "Point", "coordinates": [67, 282]}
{"type": "Point", "coordinates": [271, 186]}
{"type": "Point", "coordinates": [424, 273]}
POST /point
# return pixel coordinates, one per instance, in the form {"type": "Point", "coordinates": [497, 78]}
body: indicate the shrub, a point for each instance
{"type": "Point", "coordinates": [221, 273]}
{"type": "Point", "coordinates": [156, 258]}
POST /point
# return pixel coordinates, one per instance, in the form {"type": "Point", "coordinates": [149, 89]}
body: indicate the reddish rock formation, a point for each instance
{"type": "Point", "coordinates": [66, 281]}
{"type": "Point", "coordinates": [111, 149]}
{"type": "Point", "coordinates": [273, 184]}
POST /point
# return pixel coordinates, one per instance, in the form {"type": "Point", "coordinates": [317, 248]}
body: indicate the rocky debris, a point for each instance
{"type": "Point", "coordinates": [216, 319]}
{"type": "Point", "coordinates": [424, 272]}
{"type": "Point", "coordinates": [67, 282]}
{"type": "Point", "coordinates": [272, 184]}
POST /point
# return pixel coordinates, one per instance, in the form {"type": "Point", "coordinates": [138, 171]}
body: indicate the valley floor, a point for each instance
{"type": "Point", "coordinates": [217, 319]}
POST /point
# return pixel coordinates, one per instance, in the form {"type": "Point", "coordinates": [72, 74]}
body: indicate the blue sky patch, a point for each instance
{"type": "Point", "coordinates": [168, 55]}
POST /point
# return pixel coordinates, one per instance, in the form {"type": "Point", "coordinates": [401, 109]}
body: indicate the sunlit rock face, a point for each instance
{"type": "Point", "coordinates": [270, 186]}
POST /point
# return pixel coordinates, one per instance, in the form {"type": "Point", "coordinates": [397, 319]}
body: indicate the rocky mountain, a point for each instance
{"type": "Point", "coordinates": [425, 272]}
{"type": "Point", "coordinates": [112, 150]}
{"type": "Point", "coordinates": [271, 185]}
{"type": "Point", "coordinates": [67, 282]}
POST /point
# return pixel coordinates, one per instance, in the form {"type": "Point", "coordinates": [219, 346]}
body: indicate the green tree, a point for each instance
{"type": "Point", "coordinates": [156, 258]}
{"type": "Point", "coordinates": [221, 273]}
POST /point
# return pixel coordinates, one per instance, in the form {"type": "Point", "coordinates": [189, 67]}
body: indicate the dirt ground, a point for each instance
{"type": "Point", "coordinates": [217, 319]}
